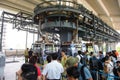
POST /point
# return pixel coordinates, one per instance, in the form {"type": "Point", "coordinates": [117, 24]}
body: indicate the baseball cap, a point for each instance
{"type": "Point", "coordinates": [71, 61]}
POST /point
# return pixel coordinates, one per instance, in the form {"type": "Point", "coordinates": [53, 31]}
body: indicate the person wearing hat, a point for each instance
{"type": "Point", "coordinates": [75, 61]}
{"type": "Point", "coordinates": [71, 61]}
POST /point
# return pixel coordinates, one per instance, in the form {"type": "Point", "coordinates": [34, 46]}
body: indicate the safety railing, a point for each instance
{"type": "Point", "coordinates": [98, 73]}
{"type": "Point", "coordinates": [12, 54]}
{"type": "Point", "coordinates": [103, 74]}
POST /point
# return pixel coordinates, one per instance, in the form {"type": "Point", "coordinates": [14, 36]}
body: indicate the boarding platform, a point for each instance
{"type": "Point", "coordinates": [12, 66]}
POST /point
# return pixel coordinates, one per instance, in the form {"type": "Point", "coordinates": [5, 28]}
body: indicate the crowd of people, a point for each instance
{"type": "Point", "coordinates": [83, 66]}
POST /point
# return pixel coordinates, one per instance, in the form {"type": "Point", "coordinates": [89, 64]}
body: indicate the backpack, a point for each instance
{"type": "Point", "coordinates": [82, 72]}
{"type": "Point", "coordinates": [100, 65]}
{"type": "Point", "coordinates": [83, 59]}
{"type": "Point", "coordinates": [94, 63]}
{"type": "Point", "coordinates": [29, 72]}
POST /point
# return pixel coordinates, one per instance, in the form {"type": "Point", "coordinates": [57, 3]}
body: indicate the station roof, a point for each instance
{"type": "Point", "coordinates": [107, 10]}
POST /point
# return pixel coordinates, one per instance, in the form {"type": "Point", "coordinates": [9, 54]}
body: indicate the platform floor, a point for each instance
{"type": "Point", "coordinates": [12, 65]}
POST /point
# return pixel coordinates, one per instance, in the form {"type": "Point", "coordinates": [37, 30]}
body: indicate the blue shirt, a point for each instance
{"type": "Point", "coordinates": [86, 72]}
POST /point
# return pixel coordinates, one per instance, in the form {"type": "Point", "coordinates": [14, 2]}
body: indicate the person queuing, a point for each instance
{"type": "Point", "coordinates": [26, 54]}
{"type": "Point", "coordinates": [93, 64]}
{"type": "Point", "coordinates": [115, 69]}
{"type": "Point", "coordinates": [72, 73]}
{"type": "Point", "coordinates": [29, 72]}
{"type": "Point", "coordinates": [64, 58]}
{"type": "Point", "coordinates": [30, 52]}
{"type": "Point", "coordinates": [53, 70]}
{"type": "Point", "coordinates": [118, 72]}
{"type": "Point", "coordinates": [108, 67]}
{"type": "Point", "coordinates": [32, 62]}
{"type": "Point", "coordinates": [49, 59]}
{"type": "Point", "coordinates": [84, 71]}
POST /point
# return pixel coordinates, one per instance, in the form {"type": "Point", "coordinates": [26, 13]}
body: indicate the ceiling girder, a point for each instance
{"type": "Point", "coordinates": [14, 9]}
{"type": "Point", "coordinates": [22, 3]}
{"type": "Point", "coordinates": [106, 11]}
{"type": "Point", "coordinates": [15, 6]}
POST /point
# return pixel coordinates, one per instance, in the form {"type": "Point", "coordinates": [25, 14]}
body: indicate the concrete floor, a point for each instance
{"type": "Point", "coordinates": [12, 65]}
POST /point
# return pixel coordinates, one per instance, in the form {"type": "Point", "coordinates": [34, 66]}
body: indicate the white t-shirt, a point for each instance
{"type": "Point", "coordinates": [110, 67]}
{"type": "Point", "coordinates": [53, 70]}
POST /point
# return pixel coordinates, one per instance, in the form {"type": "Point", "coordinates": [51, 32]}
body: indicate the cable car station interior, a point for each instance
{"type": "Point", "coordinates": [67, 22]}
{"type": "Point", "coordinates": [62, 24]}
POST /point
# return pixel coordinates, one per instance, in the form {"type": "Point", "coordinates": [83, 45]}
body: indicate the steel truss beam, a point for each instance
{"type": "Point", "coordinates": [20, 21]}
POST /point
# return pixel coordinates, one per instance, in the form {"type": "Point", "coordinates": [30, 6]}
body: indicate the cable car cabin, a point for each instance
{"type": "Point", "coordinates": [45, 48]}
{"type": "Point", "coordinates": [70, 49]}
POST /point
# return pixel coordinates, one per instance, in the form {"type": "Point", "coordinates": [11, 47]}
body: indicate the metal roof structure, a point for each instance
{"type": "Point", "coordinates": [107, 10]}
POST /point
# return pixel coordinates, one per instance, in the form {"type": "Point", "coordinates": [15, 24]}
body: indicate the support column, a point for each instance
{"type": "Point", "coordinates": [33, 37]}
{"type": "Point", "coordinates": [76, 32]}
{"type": "Point", "coordinates": [26, 39]}
{"type": "Point", "coordinates": [1, 31]}
{"type": "Point", "coordinates": [110, 46]}
{"type": "Point", "coordinates": [100, 46]}
{"type": "Point", "coordinates": [107, 47]}
{"type": "Point", "coordinates": [66, 36]}
{"type": "Point", "coordinates": [113, 45]}
{"type": "Point", "coordinates": [39, 31]}
{"type": "Point", "coordinates": [104, 48]}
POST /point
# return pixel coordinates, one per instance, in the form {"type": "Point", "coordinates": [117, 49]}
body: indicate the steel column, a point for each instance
{"type": "Point", "coordinates": [2, 31]}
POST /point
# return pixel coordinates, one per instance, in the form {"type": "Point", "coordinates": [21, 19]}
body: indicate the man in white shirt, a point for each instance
{"type": "Point", "coordinates": [53, 70]}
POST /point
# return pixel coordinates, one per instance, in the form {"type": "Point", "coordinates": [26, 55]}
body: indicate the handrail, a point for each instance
{"type": "Point", "coordinates": [100, 72]}
{"type": "Point", "coordinates": [105, 74]}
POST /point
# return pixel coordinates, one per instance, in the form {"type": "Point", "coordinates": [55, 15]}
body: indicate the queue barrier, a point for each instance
{"type": "Point", "coordinates": [105, 74]}
{"type": "Point", "coordinates": [98, 72]}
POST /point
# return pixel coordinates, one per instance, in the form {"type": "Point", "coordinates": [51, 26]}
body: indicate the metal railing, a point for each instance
{"type": "Point", "coordinates": [13, 52]}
